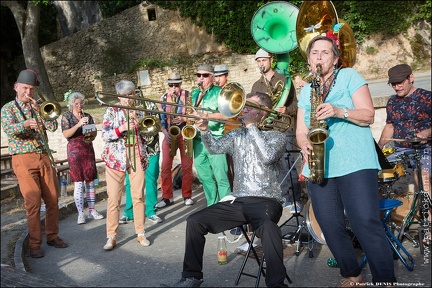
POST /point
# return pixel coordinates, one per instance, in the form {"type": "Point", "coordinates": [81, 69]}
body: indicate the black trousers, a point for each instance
{"type": "Point", "coordinates": [261, 212]}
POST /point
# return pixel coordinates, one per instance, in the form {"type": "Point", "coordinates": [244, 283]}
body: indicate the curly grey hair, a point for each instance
{"type": "Point", "coordinates": [125, 87]}
{"type": "Point", "coordinates": [74, 96]}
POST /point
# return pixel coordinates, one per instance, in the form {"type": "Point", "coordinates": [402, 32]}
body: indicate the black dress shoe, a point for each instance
{"type": "Point", "coordinates": [37, 253]}
{"type": "Point", "coordinates": [57, 243]}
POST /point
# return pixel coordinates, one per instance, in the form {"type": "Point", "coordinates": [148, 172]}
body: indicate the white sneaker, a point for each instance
{"type": "Point", "coordinates": [188, 201]}
{"type": "Point", "coordinates": [155, 219]}
{"type": "Point", "coordinates": [95, 215]}
{"type": "Point", "coordinates": [110, 244]}
{"type": "Point", "coordinates": [143, 241]}
{"type": "Point", "coordinates": [81, 219]}
{"type": "Point", "coordinates": [164, 202]}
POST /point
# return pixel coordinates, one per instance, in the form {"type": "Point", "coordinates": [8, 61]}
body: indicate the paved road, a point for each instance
{"type": "Point", "coordinates": [379, 87]}
{"type": "Point", "coordinates": [85, 263]}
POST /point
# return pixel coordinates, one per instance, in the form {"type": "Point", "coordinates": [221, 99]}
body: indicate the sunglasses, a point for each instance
{"type": "Point", "coordinates": [205, 75]}
{"type": "Point", "coordinates": [398, 83]}
{"type": "Point", "coordinates": [174, 85]}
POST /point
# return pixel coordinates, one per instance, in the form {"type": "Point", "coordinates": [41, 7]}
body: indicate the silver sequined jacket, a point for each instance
{"type": "Point", "coordinates": [255, 156]}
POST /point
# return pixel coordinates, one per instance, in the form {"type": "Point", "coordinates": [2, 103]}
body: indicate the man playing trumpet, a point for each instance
{"type": "Point", "coordinates": [30, 161]}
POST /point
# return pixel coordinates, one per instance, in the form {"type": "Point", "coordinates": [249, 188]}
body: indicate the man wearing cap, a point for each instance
{"type": "Point", "coordinates": [174, 141]}
{"type": "Point", "coordinates": [211, 169]}
{"type": "Point", "coordinates": [273, 83]}
{"type": "Point", "coordinates": [408, 116]}
{"type": "Point", "coordinates": [221, 75]}
{"type": "Point", "coordinates": [37, 178]}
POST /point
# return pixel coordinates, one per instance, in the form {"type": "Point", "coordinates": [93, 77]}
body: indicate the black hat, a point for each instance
{"type": "Point", "coordinates": [29, 77]}
{"type": "Point", "coordinates": [399, 73]}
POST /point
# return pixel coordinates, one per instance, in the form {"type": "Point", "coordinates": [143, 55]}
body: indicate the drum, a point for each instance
{"type": "Point", "coordinates": [390, 175]}
{"type": "Point", "coordinates": [312, 224]}
{"type": "Point", "coordinates": [399, 169]}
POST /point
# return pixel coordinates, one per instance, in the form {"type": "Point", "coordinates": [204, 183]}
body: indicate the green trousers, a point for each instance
{"type": "Point", "coordinates": [212, 172]}
{"type": "Point", "coordinates": [151, 189]}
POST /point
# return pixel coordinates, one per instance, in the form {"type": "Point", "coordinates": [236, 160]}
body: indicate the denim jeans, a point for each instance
{"type": "Point", "coordinates": [353, 197]}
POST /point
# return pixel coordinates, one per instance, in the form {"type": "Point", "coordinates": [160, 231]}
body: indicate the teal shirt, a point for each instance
{"type": "Point", "coordinates": [210, 101]}
{"type": "Point", "coordinates": [350, 147]}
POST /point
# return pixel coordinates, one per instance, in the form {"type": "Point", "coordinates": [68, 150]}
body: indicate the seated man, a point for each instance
{"type": "Point", "coordinates": [256, 198]}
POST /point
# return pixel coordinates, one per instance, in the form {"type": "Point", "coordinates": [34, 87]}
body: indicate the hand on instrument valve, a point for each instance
{"type": "Point", "coordinates": [176, 120]}
{"type": "Point", "coordinates": [201, 125]}
{"type": "Point", "coordinates": [167, 135]}
{"type": "Point", "coordinates": [31, 123]}
{"type": "Point", "coordinates": [326, 110]}
{"type": "Point", "coordinates": [281, 109]}
{"type": "Point", "coordinates": [306, 149]}
{"type": "Point", "coordinates": [83, 121]}
{"type": "Point", "coordinates": [128, 125]}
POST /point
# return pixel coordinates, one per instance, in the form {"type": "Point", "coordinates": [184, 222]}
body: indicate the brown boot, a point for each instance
{"type": "Point", "coordinates": [36, 252]}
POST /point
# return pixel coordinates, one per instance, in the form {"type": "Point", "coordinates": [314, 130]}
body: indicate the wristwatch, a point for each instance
{"type": "Point", "coordinates": [345, 115]}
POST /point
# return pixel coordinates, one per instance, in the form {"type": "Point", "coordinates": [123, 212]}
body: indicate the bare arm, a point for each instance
{"type": "Point", "coordinates": [386, 134]}
{"type": "Point", "coordinates": [301, 134]}
{"type": "Point", "coordinates": [363, 113]}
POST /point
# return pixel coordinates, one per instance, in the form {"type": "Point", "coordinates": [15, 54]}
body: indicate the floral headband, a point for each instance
{"type": "Point", "coordinates": [67, 95]}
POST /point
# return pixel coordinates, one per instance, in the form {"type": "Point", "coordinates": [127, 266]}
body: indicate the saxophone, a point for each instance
{"type": "Point", "coordinates": [318, 133]}
{"type": "Point", "coordinates": [189, 131]}
{"type": "Point", "coordinates": [174, 130]}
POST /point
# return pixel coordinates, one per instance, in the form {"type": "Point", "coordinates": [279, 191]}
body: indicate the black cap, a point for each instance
{"type": "Point", "coordinates": [29, 77]}
{"type": "Point", "coordinates": [399, 73]}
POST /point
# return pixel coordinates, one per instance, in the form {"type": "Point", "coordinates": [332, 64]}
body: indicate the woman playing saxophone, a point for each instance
{"type": "Point", "coordinates": [350, 181]}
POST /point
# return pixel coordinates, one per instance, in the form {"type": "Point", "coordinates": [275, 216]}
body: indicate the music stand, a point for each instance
{"type": "Point", "coordinates": [296, 236]}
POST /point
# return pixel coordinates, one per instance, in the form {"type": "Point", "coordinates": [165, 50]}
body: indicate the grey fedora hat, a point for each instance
{"type": "Point", "coordinates": [174, 78]}
{"type": "Point", "coordinates": [29, 77]}
{"type": "Point", "coordinates": [220, 70]}
{"type": "Point", "coordinates": [205, 67]}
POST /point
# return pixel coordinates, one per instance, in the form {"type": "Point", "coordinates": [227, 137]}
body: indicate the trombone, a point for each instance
{"type": "Point", "coordinates": [232, 101]}
{"type": "Point", "coordinates": [100, 96]}
{"type": "Point", "coordinates": [49, 110]}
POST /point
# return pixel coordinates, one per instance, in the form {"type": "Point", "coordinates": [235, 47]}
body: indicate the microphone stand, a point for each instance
{"type": "Point", "coordinates": [296, 236]}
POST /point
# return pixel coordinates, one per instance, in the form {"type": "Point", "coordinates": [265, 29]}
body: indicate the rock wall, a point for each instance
{"type": "Point", "coordinates": [97, 57]}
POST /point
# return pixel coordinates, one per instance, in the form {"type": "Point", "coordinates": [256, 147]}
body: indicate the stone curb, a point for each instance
{"type": "Point", "coordinates": [21, 246]}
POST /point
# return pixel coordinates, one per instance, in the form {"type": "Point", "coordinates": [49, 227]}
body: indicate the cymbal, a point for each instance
{"type": "Point", "coordinates": [412, 140]}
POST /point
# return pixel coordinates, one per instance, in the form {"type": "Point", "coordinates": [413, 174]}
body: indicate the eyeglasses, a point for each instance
{"type": "Point", "coordinates": [205, 75]}
{"type": "Point", "coordinates": [174, 85]}
{"type": "Point", "coordinates": [399, 83]}
{"type": "Point", "coordinates": [79, 104]}
{"type": "Point", "coordinates": [248, 108]}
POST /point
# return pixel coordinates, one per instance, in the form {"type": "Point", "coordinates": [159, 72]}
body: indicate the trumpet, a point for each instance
{"type": "Point", "coordinates": [232, 101]}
